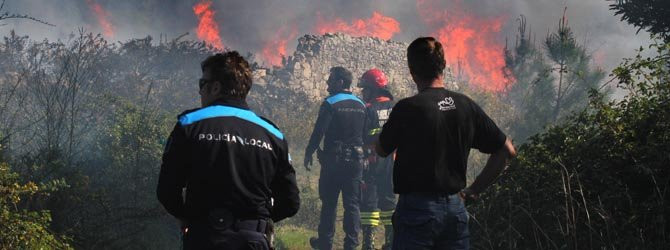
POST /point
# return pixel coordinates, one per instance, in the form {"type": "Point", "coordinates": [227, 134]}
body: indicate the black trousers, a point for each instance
{"type": "Point", "coordinates": [205, 236]}
{"type": "Point", "coordinates": [378, 189]}
{"type": "Point", "coordinates": [336, 178]}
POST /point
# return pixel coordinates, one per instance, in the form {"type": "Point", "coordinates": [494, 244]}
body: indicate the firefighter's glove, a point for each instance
{"type": "Point", "coordinates": [308, 162]}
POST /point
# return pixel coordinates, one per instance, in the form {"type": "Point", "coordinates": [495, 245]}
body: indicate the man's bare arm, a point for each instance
{"type": "Point", "coordinates": [494, 166]}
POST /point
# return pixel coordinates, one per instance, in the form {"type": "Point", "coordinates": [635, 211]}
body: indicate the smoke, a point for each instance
{"type": "Point", "coordinates": [270, 28]}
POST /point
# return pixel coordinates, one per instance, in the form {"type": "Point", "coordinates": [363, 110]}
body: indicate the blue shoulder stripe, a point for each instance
{"type": "Point", "coordinates": [227, 111]}
{"type": "Point", "coordinates": [341, 97]}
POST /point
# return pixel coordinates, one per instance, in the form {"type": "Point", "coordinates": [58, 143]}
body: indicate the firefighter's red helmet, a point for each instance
{"type": "Point", "coordinates": [373, 78]}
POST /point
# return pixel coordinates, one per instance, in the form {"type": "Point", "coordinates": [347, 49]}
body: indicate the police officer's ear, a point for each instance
{"type": "Point", "coordinates": [340, 84]}
{"type": "Point", "coordinates": [215, 88]}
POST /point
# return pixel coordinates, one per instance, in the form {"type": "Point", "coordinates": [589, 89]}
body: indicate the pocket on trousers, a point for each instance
{"type": "Point", "coordinates": [414, 221]}
{"type": "Point", "coordinates": [257, 245]}
{"type": "Point", "coordinates": [413, 231]}
{"type": "Point", "coordinates": [462, 230]}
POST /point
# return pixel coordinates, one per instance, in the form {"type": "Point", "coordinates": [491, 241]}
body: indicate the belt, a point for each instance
{"type": "Point", "coordinates": [222, 219]}
{"type": "Point", "coordinates": [258, 225]}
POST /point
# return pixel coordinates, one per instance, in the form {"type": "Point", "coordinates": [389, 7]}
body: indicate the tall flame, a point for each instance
{"type": "Point", "coordinates": [208, 29]}
{"type": "Point", "coordinates": [275, 49]}
{"type": "Point", "coordinates": [103, 18]}
{"type": "Point", "coordinates": [378, 25]}
{"type": "Point", "coordinates": [471, 44]}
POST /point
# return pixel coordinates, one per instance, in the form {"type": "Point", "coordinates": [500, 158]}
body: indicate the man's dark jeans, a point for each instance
{"type": "Point", "coordinates": [430, 221]}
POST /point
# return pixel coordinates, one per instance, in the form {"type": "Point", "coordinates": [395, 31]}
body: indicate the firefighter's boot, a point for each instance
{"type": "Point", "coordinates": [314, 242]}
{"type": "Point", "coordinates": [386, 219]}
{"type": "Point", "coordinates": [388, 237]}
{"type": "Point", "coordinates": [368, 237]}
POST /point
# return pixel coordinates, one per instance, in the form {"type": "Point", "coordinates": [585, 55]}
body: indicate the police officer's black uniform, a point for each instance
{"type": "Point", "coordinates": [237, 173]}
{"type": "Point", "coordinates": [341, 119]}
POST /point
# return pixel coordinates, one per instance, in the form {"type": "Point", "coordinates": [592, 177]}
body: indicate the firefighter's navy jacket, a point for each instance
{"type": "Point", "coordinates": [227, 157]}
{"type": "Point", "coordinates": [341, 119]}
{"type": "Point", "coordinates": [378, 113]}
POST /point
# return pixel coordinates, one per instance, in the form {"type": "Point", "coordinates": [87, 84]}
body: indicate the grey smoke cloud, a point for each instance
{"type": "Point", "coordinates": [248, 25]}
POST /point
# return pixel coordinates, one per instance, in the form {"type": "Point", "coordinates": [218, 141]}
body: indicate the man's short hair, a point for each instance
{"type": "Point", "coordinates": [341, 73]}
{"type": "Point", "coordinates": [425, 58]}
{"type": "Point", "coordinates": [232, 71]}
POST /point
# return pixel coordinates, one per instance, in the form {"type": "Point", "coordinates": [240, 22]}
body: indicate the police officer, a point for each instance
{"type": "Point", "coordinates": [226, 172]}
{"type": "Point", "coordinates": [378, 180]}
{"type": "Point", "coordinates": [432, 133]}
{"type": "Point", "coordinates": [341, 121]}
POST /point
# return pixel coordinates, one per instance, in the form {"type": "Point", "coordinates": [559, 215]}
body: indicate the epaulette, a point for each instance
{"type": "Point", "coordinates": [186, 112]}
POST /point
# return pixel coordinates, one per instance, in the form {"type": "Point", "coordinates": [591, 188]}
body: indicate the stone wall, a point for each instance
{"type": "Point", "coordinates": [308, 68]}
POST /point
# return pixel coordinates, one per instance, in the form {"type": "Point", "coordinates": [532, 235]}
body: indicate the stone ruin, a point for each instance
{"type": "Point", "coordinates": [308, 68]}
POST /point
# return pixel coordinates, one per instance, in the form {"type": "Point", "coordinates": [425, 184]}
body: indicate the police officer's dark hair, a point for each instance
{"type": "Point", "coordinates": [425, 58]}
{"type": "Point", "coordinates": [232, 71]}
{"type": "Point", "coordinates": [341, 73]}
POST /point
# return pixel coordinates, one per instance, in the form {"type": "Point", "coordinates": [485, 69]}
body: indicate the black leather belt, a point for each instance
{"type": "Point", "coordinates": [258, 225]}
{"type": "Point", "coordinates": [221, 219]}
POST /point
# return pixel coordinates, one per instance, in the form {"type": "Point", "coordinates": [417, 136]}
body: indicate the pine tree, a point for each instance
{"type": "Point", "coordinates": [550, 81]}
{"type": "Point", "coordinates": [570, 62]}
{"type": "Point", "coordinates": [533, 84]}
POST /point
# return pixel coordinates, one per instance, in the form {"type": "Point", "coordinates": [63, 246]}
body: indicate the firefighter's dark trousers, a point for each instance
{"type": "Point", "coordinates": [378, 200]}
{"type": "Point", "coordinates": [336, 178]}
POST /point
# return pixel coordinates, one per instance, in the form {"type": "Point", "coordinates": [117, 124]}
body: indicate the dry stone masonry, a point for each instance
{"type": "Point", "coordinates": [308, 68]}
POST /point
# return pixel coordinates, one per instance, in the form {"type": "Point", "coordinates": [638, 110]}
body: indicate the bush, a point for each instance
{"type": "Point", "coordinates": [22, 228]}
{"type": "Point", "coordinates": [598, 180]}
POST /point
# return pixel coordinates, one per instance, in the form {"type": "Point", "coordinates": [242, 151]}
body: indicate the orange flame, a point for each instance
{"type": "Point", "coordinates": [274, 50]}
{"type": "Point", "coordinates": [598, 58]}
{"type": "Point", "coordinates": [103, 18]}
{"type": "Point", "coordinates": [378, 25]}
{"type": "Point", "coordinates": [208, 29]}
{"type": "Point", "coordinates": [470, 43]}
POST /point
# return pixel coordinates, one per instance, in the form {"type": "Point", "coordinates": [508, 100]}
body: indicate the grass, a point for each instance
{"type": "Point", "coordinates": [292, 237]}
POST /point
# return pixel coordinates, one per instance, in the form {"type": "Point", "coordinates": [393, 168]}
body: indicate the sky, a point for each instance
{"type": "Point", "coordinates": [472, 29]}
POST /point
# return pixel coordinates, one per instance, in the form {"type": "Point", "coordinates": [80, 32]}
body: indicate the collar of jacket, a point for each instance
{"type": "Point", "coordinates": [382, 99]}
{"type": "Point", "coordinates": [340, 92]}
{"type": "Point", "coordinates": [233, 102]}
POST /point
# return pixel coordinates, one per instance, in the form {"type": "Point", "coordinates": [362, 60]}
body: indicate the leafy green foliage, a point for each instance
{"type": "Point", "coordinates": [23, 228]}
{"type": "Point", "coordinates": [599, 180]}
{"type": "Point", "coordinates": [123, 211]}
{"type": "Point", "coordinates": [651, 15]}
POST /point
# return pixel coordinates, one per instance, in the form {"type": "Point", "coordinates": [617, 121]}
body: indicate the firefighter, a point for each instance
{"type": "Point", "coordinates": [232, 165]}
{"type": "Point", "coordinates": [378, 200]}
{"type": "Point", "coordinates": [341, 124]}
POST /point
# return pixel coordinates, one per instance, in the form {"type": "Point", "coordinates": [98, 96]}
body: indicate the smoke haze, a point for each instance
{"type": "Point", "coordinates": [270, 28]}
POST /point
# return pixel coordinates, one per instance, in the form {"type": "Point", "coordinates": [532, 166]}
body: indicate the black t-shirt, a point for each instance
{"type": "Point", "coordinates": [433, 133]}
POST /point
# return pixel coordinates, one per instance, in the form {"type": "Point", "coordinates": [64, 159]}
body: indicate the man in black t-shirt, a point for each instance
{"type": "Point", "coordinates": [432, 134]}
